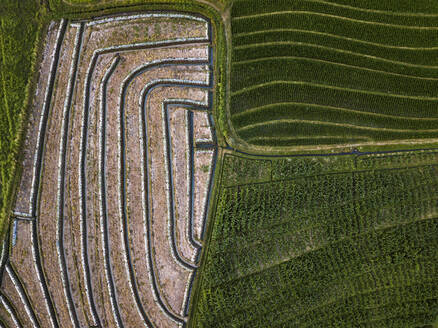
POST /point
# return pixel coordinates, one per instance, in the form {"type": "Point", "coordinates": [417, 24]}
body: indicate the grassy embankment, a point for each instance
{"type": "Point", "coordinates": [20, 25]}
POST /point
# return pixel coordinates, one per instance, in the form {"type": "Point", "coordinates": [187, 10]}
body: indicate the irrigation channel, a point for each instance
{"type": "Point", "coordinates": [104, 235]}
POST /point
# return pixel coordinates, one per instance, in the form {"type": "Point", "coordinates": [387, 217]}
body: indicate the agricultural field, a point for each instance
{"type": "Point", "coordinates": [218, 163]}
{"type": "Point", "coordinates": [308, 75]}
{"type": "Point", "coordinates": [118, 163]}
{"type": "Point", "coordinates": [323, 241]}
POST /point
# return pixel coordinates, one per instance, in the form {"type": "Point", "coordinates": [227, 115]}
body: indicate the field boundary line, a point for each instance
{"type": "Point", "coordinates": [308, 59]}
{"type": "Point", "coordinates": [351, 126]}
{"type": "Point", "coordinates": [61, 178]}
{"type": "Point", "coordinates": [11, 310]}
{"type": "Point", "coordinates": [38, 169]}
{"type": "Point", "coordinates": [23, 294]}
{"type": "Point", "coordinates": [103, 206]}
{"type": "Point", "coordinates": [344, 18]}
{"type": "Point", "coordinates": [253, 110]}
{"type": "Point", "coordinates": [342, 51]}
{"type": "Point", "coordinates": [369, 10]}
{"type": "Point", "coordinates": [331, 87]}
{"type": "Point", "coordinates": [336, 36]}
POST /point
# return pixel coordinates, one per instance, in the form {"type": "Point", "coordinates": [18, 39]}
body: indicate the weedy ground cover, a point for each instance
{"type": "Point", "coordinates": [336, 241]}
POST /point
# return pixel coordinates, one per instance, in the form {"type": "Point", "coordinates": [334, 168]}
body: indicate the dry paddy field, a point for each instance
{"type": "Point", "coordinates": [118, 164]}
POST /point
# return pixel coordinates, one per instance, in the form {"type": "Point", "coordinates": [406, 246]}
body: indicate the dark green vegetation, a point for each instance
{"type": "Point", "coordinates": [20, 24]}
{"type": "Point", "coordinates": [325, 73]}
{"type": "Point", "coordinates": [334, 241]}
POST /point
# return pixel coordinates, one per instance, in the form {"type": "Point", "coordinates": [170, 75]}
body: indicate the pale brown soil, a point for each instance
{"type": "Point", "coordinates": [48, 214]}
{"type": "Point", "coordinates": [4, 315]}
{"type": "Point", "coordinates": [180, 157]}
{"type": "Point", "coordinates": [171, 276]}
{"type": "Point", "coordinates": [203, 161]}
{"type": "Point", "coordinates": [22, 203]}
{"type": "Point", "coordinates": [22, 260]}
{"type": "Point", "coordinates": [201, 127]}
{"type": "Point", "coordinates": [15, 299]}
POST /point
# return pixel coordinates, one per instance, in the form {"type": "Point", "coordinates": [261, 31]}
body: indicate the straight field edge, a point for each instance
{"type": "Point", "coordinates": [11, 193]}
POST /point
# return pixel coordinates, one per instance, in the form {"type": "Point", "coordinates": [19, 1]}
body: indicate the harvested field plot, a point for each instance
{"type": "Point", "coordinates": [118, 166]}
{"type": "Point", "coordinates": [323, 241]}
{"type": "Point", "coordinates": [312, 74]}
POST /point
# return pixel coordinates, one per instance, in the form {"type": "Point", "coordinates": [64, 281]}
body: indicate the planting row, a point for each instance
{"type": "Point", "coordinates": [329, 245]}
{"type": "Point", "coordinates": [112, 224]}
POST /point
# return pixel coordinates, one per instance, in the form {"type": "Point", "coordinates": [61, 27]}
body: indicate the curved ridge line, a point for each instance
{"type": "Point", "coordinates": [37, 172]}
{"type": "Point", "coordinates": [102, 183]}
{"type": "Point", "coordinates": [61, 179]}
{"type": "Point", "coordinates": [122, 176]}
{"type": "Point", "coordinates": [23, 295]}
{"type": "Point", "coordinates": [377, 11]}
{"type": "Point", "coordinates": [253, 110]}
{"type": "Point", "coordinates": [127, 81]}
{"type": "Point", "coordinates": [331, 87]}
{"type": "Point", "coordinates": [150, 15]}
{"type": "Point", "coordinates": [345, 125]}
{"type": "Point", "coordinates": [145, 45]}
{"type": "Point", "coordinates": [190, 163]}
{"type": "Point", "coordinates": [10, 309]}
{"type": "Point", "coordinates": [353, 20]}
{"type": "Point", "coordinates": [190, 178]}
{"type": "Point", "coordinates": [309, 59]}
{"type": "Point", "coordinates": [337, 36]}
{"type": "Point", "coordinates": [146, 182]}
{"type": "Point", "coordinates": [352, 53]}
{"type": "Point", "coordinates": [306, 138]}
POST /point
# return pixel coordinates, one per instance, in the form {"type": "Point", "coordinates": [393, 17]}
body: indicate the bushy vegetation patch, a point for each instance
{"type": "Point", "coordinates": [20, 25]}
{"type": "Point", "coordinates": [326, 242]}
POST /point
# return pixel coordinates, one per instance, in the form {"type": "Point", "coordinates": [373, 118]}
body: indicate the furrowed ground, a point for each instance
{"type": "Point", "coordinates": [311, 74]}
{"type": "Point", "coordinates": [337, 241]}
{"type": "Point", "coordinates": [118, 162]}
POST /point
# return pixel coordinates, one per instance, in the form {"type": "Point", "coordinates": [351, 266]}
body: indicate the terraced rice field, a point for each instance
{"type": "Point", "coordinates": [323, 241]}
{"type": "Point", "coordinates": [118, 164]}
{"type": "Point", "coordinates": [314, 74]}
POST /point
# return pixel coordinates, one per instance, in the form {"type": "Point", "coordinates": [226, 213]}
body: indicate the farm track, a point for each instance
{"type": "Point", "coordinates": [81, 138]}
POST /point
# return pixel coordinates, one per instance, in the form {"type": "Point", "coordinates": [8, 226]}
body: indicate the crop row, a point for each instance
{"type": "Point", "coordinates": [246, 8]}
{"type": "Point", "coordinates": [389, 34]}
{"type": "Point", "coordinates": [331, 47]}
{"type": "Point", "coordinates": [293, 68]}
{"type": "Point", "coordinates": [330, 248]}
{"type": "Point", "coordinates": [85, 136]}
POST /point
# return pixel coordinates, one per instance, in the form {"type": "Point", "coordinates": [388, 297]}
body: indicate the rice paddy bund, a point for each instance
{"type": "Point", "coordinates": [109, 219]}
{"type": "Point", "coordinates": [311, 74]}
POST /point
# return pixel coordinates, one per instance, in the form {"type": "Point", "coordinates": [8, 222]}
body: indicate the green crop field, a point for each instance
{"type": "Point", "coordinates": [338, 241]}
{"type": "Point", "coordinates": [310, 73]}
{"type": "Point", "coordinates": [321, 208]}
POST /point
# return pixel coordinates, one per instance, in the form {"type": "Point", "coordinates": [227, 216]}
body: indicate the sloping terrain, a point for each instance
{"type": "Point", "coordinates": [313, 74]}
{"type": "Point", "coordinates": [118, 163]}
